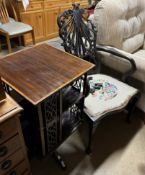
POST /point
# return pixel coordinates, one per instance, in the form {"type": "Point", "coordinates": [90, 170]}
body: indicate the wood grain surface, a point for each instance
{"type": "Point", "coordinates": [40, 71]}
{"type": "Point", "coordinates": [8, 108]}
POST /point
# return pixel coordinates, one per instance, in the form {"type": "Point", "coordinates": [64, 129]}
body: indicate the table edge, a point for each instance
{"type": "Point", "coordinates": [43, 98]}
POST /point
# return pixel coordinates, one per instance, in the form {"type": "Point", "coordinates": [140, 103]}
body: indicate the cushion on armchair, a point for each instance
{"type": "Point", "coordinates": [120, 23]}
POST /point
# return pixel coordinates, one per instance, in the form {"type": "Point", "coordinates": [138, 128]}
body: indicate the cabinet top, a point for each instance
{"type": "Point", "coordinates": [8, 108]}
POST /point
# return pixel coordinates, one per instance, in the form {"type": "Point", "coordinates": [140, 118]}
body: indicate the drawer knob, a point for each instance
{"type": "Point", "coordinates": [3, 151]}
{"type": "Point", "coordinates": [13, 173]}
{"type": "Point", "coordinates": [6, 165]}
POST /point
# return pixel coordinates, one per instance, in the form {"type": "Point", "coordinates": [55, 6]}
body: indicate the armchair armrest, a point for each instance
{"type": "Point", "coordinates": [126, 56]}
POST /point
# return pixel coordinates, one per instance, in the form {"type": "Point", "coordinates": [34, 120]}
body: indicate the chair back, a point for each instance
{"type": "Point", "coordinates": [4, 16]}
{"type": "Point", "coordinates": [77, 33]}
{"type": "Point", "coordinates": [6, 6]}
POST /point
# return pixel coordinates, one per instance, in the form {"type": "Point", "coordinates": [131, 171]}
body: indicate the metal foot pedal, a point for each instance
{"type": "Point", "coordinates": [60, 160]}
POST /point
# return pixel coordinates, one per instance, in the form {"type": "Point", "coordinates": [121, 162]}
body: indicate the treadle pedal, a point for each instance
{"type": "Point", "coordinates": [60, 160]}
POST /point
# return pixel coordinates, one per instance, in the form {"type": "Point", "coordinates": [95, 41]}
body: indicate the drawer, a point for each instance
{"type": "Point", "coordinates": [67, 1]}
{"type": "Point", "coordinates": [7, 129]}
{"type": "Point", "coordinates": [10, 162]}
{"type": "Point", "coordinates": [65, 7]}
{"type": "Point", "coordinates": [32, 6]}
{"type": "Point", "coordinates": [77, 1]}
{"type": "Point", "coordinates": [35, 6]}
{"type": "Point", "coordinates": [48, 4]}
{"type": "Point", "coordinates": [9, 147]}
{"type": "Point", "coordinates": [19, 169]}
{"type": "Point", "coordinates": [83, 4]}
{"type": "Point", "coordinates": [84, 1]}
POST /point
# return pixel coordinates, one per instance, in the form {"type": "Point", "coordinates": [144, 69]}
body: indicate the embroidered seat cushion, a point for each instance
{"type": "Point", "coordinates": [106, 94]}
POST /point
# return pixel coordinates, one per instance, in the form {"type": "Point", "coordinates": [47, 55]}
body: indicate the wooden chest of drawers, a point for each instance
{"type": "Point", "coordinates": [13, 156]}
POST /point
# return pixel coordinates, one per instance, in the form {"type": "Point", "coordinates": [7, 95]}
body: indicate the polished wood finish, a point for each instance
{"type": "Point", "coordinates": [37, 20]}
{"type": "Point", "coordinates": [51, 16]}
{"type": "Point", "coordinates": [41, 14]}
{"type": "Point", "coordinates": [8, 108]}
{"type": "Point", "coordinates": [20, 169]}
{"type": "Point", "coordinates": [7, 130]}
{"type": "Point", "coordinates": [9, 147]}
{"type": "Point", "coordinates": [13, 155]}
{"type": "Point", "coordinates": [14, 159]}
{"type": "Point", "coordinates": [2, 92]}
{"type": "Point", "coordinates": [38, 72]}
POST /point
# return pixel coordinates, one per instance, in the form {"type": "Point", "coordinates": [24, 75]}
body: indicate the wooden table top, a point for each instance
{"type": "Point", "coordinates": [40, 71]}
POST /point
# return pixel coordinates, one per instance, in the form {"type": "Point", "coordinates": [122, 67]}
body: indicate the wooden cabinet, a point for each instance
{"type": "Point", "coordinates": [13, 156]}
{"type": "Point", "coordinates": [19, 169]}
{"type": "Point", "coordinates": [65, 7]}
{"type": "Point", "coordinates": [36, 19]}
{"type": "Point", "coordinates": [42, 15]}
{"type": "Point", "coordinates": [51, 22]}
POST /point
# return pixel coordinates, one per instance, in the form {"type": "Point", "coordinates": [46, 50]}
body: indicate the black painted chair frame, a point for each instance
{"type": "Point", "coordinates": [78, 36]}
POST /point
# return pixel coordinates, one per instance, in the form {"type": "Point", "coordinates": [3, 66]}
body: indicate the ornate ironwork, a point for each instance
{"type": "Point", "coordinates": [71, 120]}
{"type": "Point", "coordinates": [58, 118]}
{"type": "Point", "coordinates": [51, 109]}
{"type": "Point", "coordinates": [75, 112]}
{"type": "Point", "coordinates": [78, 84]}
{"type": "Point", "coordinates": [77, 32]}
{"type": "Point", "coordinates": [78, 35]}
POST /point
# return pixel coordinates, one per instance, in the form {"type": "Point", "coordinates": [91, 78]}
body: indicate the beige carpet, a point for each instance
{"type": "Point", "coordinates": [118, 149]}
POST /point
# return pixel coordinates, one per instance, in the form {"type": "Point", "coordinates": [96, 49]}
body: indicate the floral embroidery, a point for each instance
{"type": "Point", "coordinates": [102, 89]}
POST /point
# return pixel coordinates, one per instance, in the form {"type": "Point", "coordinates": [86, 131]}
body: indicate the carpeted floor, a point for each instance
{"type": "Point", "coordinates": [118, 148]}
{"type": "Point", "coordinates": [56, 42]}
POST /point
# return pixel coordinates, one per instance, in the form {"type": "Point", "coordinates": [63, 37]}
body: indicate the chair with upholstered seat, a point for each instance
{"type": "Point", "coordinates": [106, 94]}
{"type": "Point", "coordinates": [10, 28]}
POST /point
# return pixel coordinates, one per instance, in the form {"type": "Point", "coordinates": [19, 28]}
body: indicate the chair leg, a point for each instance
{"type": "Point", "coordinates": [90, 133]}
{"type": "Point", "coordinates": [8, 43]}
{"type": "Point", "coordinates": [33, 37]}
{"type": "Point", "coordinates": [131, 107]}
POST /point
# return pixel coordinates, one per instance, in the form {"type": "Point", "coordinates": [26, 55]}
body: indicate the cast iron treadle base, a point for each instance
{"type": "Point", "coordinates": [59, 160]}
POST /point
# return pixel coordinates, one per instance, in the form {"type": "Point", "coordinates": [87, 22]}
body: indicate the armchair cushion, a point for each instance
{"type": "Point", "coordinates": [15, 28]}
{"type": "Point", "coordinates": [120, 23]}
{"type": "Point", "coordinates": [107, 94]}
